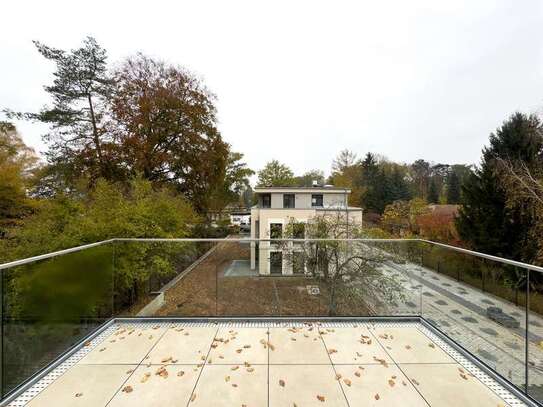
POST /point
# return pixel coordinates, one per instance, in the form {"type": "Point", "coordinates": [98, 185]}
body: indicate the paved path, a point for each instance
{"type": "Point", "coordinates": [460, 311]}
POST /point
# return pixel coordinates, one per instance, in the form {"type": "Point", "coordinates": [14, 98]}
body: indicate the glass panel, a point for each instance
{"type": "Point", "coordinates": [49, 305]}
{"type": "Point", "coordinates": [479, 304]}
{"type": "Point", "coordinates": [535, 336]}
{"type": "Point", "coordinates": [166, 278]}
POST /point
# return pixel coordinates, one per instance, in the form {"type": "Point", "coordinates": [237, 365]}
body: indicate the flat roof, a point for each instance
{"type": "Point", "coordinates": [269, 362]}
{"type": "Point", "coordinates": [320, 189]}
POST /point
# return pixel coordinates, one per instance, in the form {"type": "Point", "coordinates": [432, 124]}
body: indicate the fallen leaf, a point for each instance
{"type": "Point", "coordinates": [162, 372]}
{"type": "Point", "coordinates": [227, 379]}
{"type": "Point", "coordinates": [78, 394]}
{"type": "Point", "coordinates": [391, 383]}
{"type": "Point", "coordinates": [281, 383]}
{"type": "Point", "coordinates": [145, 377]}
{"type": "Point", "coordinates": [234, 368]}
{"type": "Point", "coordinates": [357, 373]}
{"type": "Point", "coordinates": [180, 373]}
{"type": "Point", "coordinates": [347, 382]}
{"type": "Point", "coordinates": [127, 389]}
{"type": "Point", "coordinates": [431, 345]}
{"type": "Point", "coordinates": [377, 397]}
{"type": "Point", "coordinates": [320, 398]}
{"type": "Point", "coordinates": [193, 397]}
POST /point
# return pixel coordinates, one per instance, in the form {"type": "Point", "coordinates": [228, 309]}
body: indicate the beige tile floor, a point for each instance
{"type": "Point", "coordinates": [307, 365]}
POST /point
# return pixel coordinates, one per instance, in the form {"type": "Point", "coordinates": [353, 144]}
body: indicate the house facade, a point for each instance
{"type": "Point", "coordinates": [277, 206]}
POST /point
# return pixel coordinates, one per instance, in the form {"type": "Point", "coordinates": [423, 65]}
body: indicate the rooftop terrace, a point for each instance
{"type": "Point", "coordinates": [146, 322]}
{"type": "Point", "coordinates": [269, 363]}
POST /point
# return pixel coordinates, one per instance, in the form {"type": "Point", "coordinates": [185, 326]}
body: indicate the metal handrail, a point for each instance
{"type": "Point", "coordinates": [195, 240]}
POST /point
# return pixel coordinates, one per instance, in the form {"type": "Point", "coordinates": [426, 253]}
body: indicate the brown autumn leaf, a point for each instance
{"type": "Point", "coordinates": [193, 397]}
{"type": "Point", "coordinates": [180, 373]}
{"type": "Point", "coordinates": [239, 350]}
{"type": "Point", "coordinates": [234, 368]}
{"type": "Point", "coordinates": [78, 394]}
{"type": "Point", "coordinates": [281, 383]}
{"type": "Point", "coordinates": [377, 397]}
{"type": "Point", "coordinates": [101, 350]}
{"type": "Point", "coordinates": [415, 381]}
{"type": "Point", "coordinates": [331, 351]}
{"type": "Point", "coordinates": [127, 389]}
{"type": "Point", "coordinates": [407, 347]}
{"type": "Point", "coordinates": [129, 371]}
{"type": "Point", "coordinates": [227, 379]}
{"type": "Point", "coordinates": [234, 385]}
{"type": "Point", "coordinates": [162, 372]}
{"type": "Point", "coordinates": [145, 377]}
{"type": "Point", "coordinates": [463, 376]}
{"type": "Point", "coordinates": [347, 382]}
{"type": "Point", "coordinates": [391, 382]}
{"type": "Point", "coordinates": [431, 345]}
{"type": "Point", "coordinates": [166, 360]}
{"type": "Point", "coordinates": [357, 373]}
{"type": "Point", "coordinates": [250, 369]}
{"type": "Point", "coordinates": [321, 398]}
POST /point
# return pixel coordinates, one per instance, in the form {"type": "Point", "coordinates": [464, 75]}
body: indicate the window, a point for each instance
{"type": "Point", "coordinates": [298, 230]}
{"type": "Point", "coordinates": [316, 200]}
{"type": "Point", "coordinates": [276, 263]}
{"type": "Point", "coordinates": [288, 200]}
{"type": "Point", "coordinates": [298, 263]}
{"type": "Point", "coordinates": [276, 231]}
{"type": "Point", "coordinates": [266, 200]}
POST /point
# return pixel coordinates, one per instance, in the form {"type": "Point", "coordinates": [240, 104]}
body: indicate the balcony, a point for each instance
{"type": "Point", "coordinates": [340, 323]}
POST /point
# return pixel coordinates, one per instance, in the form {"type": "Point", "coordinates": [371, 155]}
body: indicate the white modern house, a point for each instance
{"type": "Point", "coordinates": [277, 206]}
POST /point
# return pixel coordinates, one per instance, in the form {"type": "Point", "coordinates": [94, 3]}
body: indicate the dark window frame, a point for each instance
{"type": "Point", "coordinates": [276, 262]}
{"type": "Point", "coordinates": [273, 234]}
{"type": "Point", "coordinates": [317, 198]}
{"type": "Point", "coordinates": [265, 200]}
{"type": "Point", "coordinates": [289, 199]}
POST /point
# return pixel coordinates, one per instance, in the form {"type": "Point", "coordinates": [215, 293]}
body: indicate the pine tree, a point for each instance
{"type": "Point", "coordinates": [485, 220]}
{"type": "Point", "coordinates": [453, 188]}
{"type": "Point", "coordinates": [79, 91]}
{"type": "Point", "coordinates": [433, 194]}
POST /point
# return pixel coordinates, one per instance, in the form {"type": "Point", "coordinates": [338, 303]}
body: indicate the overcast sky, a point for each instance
{"type": "Point", "coordinates": [301, 80]}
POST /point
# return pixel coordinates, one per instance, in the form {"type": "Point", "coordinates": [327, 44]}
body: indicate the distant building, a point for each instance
{"type": "Point", "coordinates": [277, 206]}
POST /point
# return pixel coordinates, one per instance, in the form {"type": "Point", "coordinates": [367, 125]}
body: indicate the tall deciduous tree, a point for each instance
{"type": "Point", "coordinates": [17, 161]}
{"type": "Point", "coordinates": [79, 143]}
{"type": "Point", "coordinates": [486, 220]}
{"type": "Point", "coordinates": [165, 127]}
{"type": "Point", "coordinates": [306, 180]}
{"type": "Point", "coordinates": [275, 174]}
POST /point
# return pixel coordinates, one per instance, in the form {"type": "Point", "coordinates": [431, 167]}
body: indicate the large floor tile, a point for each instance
{"type": "Point", "coordinates": [126, 345]}
{"type": "Point", "coordinates": [353, 345]}
{"type": "Point", "coordinates": [158, 385]}
{"type": "Point", "coordinates": [239, 345]}
{"type": "Point", "coordinates": [304, 385]}
{"type": "Point", "coordinates": [450, 385]}
{"type": "Point", "coordinates": [83, 385]}
{"type": "Point", "coordinates": [234, 385]}
{"type": "Point", "coordinates": [375, 385]}
{"type": "Point", "coordinates": [183, 345]}
{"type": "Point", "coordinates": [297, 345]}
{"type": "Point", "coordinates": [409, 345]}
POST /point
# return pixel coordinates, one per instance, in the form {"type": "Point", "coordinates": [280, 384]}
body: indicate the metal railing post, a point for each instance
{"type": "Point", "coordinates": [526, 338]}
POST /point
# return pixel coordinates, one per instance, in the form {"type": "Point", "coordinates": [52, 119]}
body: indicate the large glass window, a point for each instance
{"type": "Point", "coordinates": [298, 230]}
{"type": "Point", "coordinates": [288, 201]}
{"type": "Point", "coordinates": [316, 200]}
{"type": "Point", "coordinates": [276, 263]}
{"type": "Point", "coordinates": [266, 200]}
{"type": "Point", "coordinates": [276, 231]}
